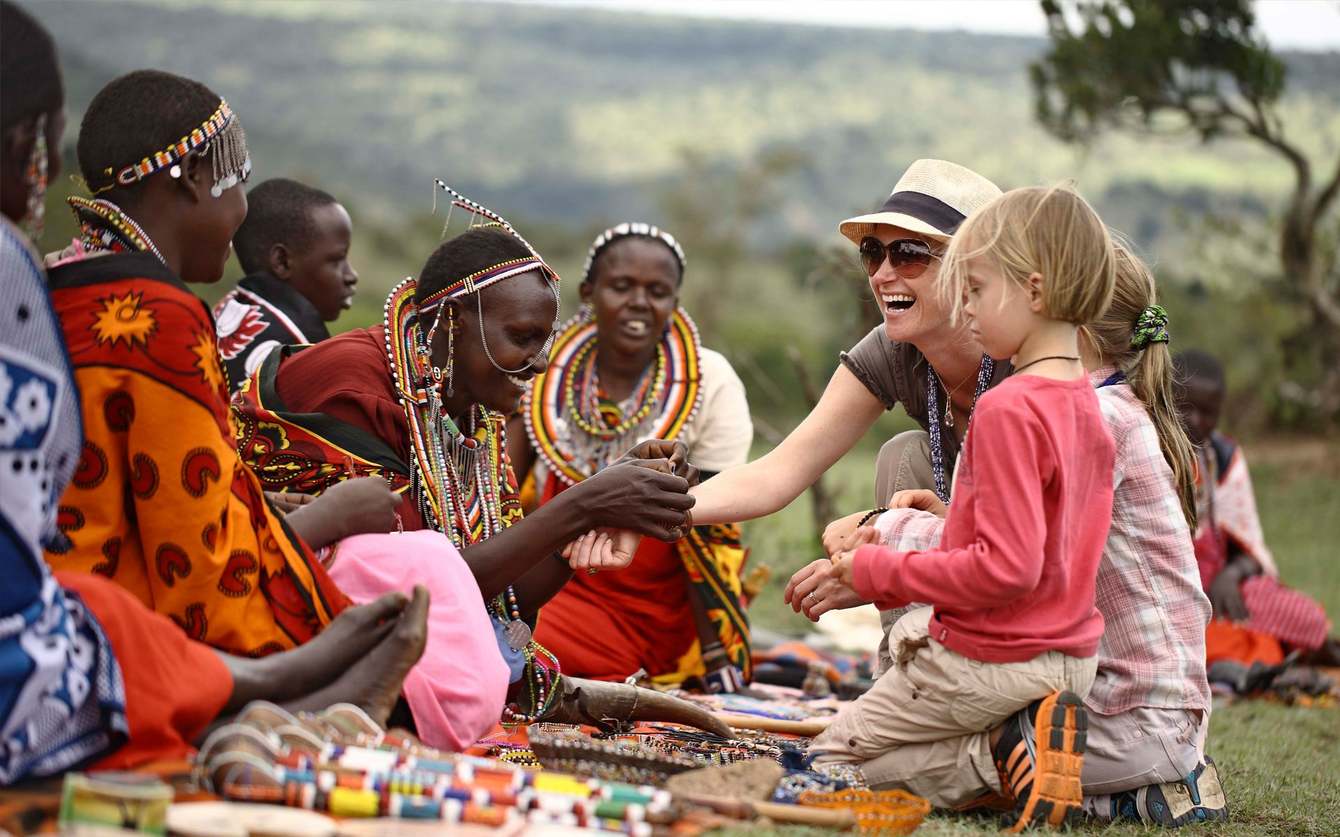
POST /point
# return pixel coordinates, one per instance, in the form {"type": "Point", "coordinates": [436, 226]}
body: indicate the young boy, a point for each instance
{"type": "Point", "coordinates": [294, 246]}
{"type": "Point", "coordinates": [1256, 617]}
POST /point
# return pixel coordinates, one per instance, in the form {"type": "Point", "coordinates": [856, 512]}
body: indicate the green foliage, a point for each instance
{"type": "Point", "coordinates": [1150, 57]}
{"type": "Point", "coordinates": [1198, 66]}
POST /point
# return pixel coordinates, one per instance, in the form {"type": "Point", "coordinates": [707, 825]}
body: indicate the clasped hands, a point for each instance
{"type": "Point", "coordinates": [610, 548]}
{"type": "Point", "coordinates": [827, 583]}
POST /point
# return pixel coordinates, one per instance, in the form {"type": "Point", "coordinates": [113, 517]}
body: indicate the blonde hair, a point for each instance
{"type": "Point", "coordinates": [1148, 368]}
{"type": "Point", "coordinates": [1051, 231]}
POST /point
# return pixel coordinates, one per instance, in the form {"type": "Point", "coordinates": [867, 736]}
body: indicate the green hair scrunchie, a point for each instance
{"type": "Point", "coordinates": [1150, 327]}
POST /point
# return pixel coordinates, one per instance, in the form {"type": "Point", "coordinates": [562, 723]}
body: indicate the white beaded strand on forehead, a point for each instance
{"type": "Point", "coordinates": [631, 228]}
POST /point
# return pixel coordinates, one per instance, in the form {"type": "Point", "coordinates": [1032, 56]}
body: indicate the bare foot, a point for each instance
{"type": "Point", "coordinates": [303, 670]}
{"type": "Point", "coordinates": [373, 682]}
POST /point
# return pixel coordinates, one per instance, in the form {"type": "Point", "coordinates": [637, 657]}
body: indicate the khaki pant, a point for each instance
{"type": "Point", "coordinates": [924, 725]}
{"type": "Point", "coordinates": [1142, 746]}
{"type": "Point", "coordinates": [904, 463]}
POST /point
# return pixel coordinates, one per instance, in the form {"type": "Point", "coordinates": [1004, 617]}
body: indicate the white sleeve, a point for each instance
{"type": "Point", "coordinates": [720, 434]}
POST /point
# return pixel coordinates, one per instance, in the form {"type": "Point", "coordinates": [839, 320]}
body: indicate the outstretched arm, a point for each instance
{"type": "Point", "coordinates": [844, 413]}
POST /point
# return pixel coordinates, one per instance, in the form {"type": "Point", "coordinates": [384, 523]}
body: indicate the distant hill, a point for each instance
{"type": "Point", "coordinates": [578, 117]}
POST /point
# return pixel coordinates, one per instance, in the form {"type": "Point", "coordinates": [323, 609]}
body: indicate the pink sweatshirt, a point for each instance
{"type": "Point", "coordinates": [1014, 575]}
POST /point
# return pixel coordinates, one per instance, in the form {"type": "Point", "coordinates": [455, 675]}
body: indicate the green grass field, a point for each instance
{"type": "Point", "coordinates": [1280, 765]}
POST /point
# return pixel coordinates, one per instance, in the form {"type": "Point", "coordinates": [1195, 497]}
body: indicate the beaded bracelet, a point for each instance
{"type": "Point", "coordinates": [873, 513]}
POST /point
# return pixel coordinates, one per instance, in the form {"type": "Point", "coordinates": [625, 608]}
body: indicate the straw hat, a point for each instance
{"type": "Point", "coordinates": [932, 198]}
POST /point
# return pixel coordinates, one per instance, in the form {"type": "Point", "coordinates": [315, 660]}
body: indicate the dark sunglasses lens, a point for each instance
{"type": "Point", "coordinates": [872, 254]}
{"type": "Point", "coordinates": [910, 257]}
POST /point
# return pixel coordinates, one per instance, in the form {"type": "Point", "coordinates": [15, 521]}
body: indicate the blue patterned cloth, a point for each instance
{"type": "Point", "coordinates": [62, 701]}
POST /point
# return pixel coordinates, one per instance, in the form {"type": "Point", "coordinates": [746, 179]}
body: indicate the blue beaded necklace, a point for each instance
{"type": "Point", "coordinates": [985, 371]}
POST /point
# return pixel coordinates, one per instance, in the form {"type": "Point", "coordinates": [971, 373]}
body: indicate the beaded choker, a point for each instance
{"type": "Point", "coordinates": [577, 432]}
{"type": "Point", "coordinates": [221, 136]}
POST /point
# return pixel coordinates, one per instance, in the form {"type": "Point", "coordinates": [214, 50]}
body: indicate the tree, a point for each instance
{"type": "Point", "coordinates": [1158, 66]}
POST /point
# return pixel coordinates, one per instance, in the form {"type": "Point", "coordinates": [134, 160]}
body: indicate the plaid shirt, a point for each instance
{"type": "Point", "coordinates": [1148, 589]}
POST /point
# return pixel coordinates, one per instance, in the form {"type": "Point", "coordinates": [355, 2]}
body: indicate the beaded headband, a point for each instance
{"type": "Point", "coordinates": [481, 279]}
{"type": "Point", "coordinates": [624, 230]}
{"type": "Point", "coordinates": [222, 132]}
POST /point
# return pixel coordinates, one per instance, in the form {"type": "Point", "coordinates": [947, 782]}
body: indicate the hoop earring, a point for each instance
{"type": "Point", "coordinates": [35, 175]}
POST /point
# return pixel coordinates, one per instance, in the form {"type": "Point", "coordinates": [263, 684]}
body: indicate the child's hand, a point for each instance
{"type": "Point", "coordinates": [837, 532]}
{"type": "Point", "coordinates": [602, 549]}
{"type": "Point", "coordinates": [842, 567]}
{"type": "Point", "coordinates": [919, 498]}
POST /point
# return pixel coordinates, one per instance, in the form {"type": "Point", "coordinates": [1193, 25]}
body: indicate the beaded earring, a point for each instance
{"type": "Point", "coordinates": [587, 312]}
{"type": "Point", "coordinates": [439, 375]}
{"type": "Point", "coordinates": [36, 176]}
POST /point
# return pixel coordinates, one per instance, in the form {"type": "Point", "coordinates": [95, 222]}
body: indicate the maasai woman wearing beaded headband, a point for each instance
{"type": "Point", "coordinates": [421, 400]}
{"type": "Point", "coordinates": [160, 502]}
{"type": "Point", "coordinates": [630, 367]}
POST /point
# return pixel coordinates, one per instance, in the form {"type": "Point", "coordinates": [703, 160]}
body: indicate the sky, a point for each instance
{"type": "Point", "coordinates": [1287, 24]}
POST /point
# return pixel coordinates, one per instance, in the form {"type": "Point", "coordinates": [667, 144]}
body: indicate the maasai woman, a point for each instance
{"type": "Point", "coordinates": [88, 675]}
{"type": "Point", "coordinates": [420, 401]}
{"type": "Point", "coordinates": [628, 368]}
{"type": "Point", "coordinates": [160, 502]}
{"type": "Point", "coordinates": [1257, 618]}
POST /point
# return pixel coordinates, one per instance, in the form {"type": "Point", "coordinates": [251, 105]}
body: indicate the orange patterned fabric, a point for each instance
{"type": "Point", "coordinates": [160, 502]}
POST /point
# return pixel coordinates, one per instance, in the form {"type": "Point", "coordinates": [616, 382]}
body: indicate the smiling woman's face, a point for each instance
{"type": "Point", "coordinates": [912, 308]}
{"type": "Point", "coordinates": [634, 288]}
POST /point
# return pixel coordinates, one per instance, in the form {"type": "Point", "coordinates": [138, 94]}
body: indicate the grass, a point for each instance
{"type": "Point", "coordinates": [1280, 765]}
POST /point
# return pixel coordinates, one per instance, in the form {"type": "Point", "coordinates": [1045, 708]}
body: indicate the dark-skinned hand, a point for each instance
{"type": "Point", "coordinates": [1226, 591]}
{"type": "Point", "coordinates": [636, 495]}
{"type": "Point", "coordinates": [354, 507]}
{"type": "Point", "coordinates": [676, 452]}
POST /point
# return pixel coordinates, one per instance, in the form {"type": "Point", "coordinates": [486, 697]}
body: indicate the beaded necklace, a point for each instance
{"type": "Point", "coordinates": [458, 475]}
{"type": "Point", "coordinates": [104, 227]}
{"type": "Point", "coordinates": [577, 432]}
{"type": "Point", "coordinates": [933, 389]}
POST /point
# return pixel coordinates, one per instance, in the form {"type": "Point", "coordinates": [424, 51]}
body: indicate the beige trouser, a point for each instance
{"type": "Point", "coordinates": [924, 725]}
{"type": "Point", "coordinates": [1142, 746]}
{"type": "Point", "coordinates": [904, 463]}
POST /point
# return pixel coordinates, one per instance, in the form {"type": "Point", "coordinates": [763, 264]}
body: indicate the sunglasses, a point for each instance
{"type": "Point", "coordinates": [909, 257]}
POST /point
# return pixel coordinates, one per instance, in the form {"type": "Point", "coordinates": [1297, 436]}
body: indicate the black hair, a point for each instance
{"type": "Point", "coordinates": [1194, 364]}
{"type": "Point", "coordinates": [470, 252]}
{"type": "Point", "coordinates": [32, 78]}
{"type": "Point", "coordinates": [135, 115]}
{"type": "Point", "coordinates": [608, 245]}
{"type": "Point", "coordinates": [279, 211]}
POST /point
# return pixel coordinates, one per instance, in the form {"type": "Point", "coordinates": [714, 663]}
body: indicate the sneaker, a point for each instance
{"type": "Point", "coordinates": [1039, 756]}
{"type": "Point", "coordinates": [1195, 799]}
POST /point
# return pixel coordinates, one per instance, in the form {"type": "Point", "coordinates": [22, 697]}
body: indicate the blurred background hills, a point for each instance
{"type": "Point", "coordinates": [748, 140]}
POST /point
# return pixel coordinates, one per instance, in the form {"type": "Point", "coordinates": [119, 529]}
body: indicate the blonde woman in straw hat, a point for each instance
{"type": "Point", "coordinates": [915, 359]}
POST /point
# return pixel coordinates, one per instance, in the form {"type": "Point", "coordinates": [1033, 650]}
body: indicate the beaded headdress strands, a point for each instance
{"type": "Point", "coordinates": [35, 175]}
{"type": "Point", "coordinates": [220, 136]}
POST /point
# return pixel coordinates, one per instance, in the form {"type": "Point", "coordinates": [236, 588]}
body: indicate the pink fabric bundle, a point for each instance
{"type": "Point", "coordinates": [457, 691]}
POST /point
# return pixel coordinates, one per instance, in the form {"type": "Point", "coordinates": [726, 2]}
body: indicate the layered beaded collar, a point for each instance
{"type": "Point", "coordinates": [577, 432]}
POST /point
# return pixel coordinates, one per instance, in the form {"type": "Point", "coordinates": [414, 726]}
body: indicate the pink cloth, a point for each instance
{"type": "Point", "coordinates": [1014, 575]}
{"type": "Point", "coordinates": [457, 691]}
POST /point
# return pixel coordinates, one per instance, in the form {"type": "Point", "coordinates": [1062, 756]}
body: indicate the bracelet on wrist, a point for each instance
{"type": "Point", "coordinates": [870, 515]}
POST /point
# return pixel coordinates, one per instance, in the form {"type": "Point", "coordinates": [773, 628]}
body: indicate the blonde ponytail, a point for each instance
{"type": "Point", "coordinates": [1132, 336]}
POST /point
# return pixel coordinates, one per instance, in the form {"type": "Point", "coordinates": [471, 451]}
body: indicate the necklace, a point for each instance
{"type": "Point", "coordinates": [985, 371]}
{"type": "Point", "coordinates": [949, 410]}
{"type": "Point", "coordinates": [576, 430]}
{"type": "Point", "coordinates": [103, 226]}
{"type": "Point", "coordinates": [600, 416]}
{"type": "Point", "coordinates": [1019, 369]}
